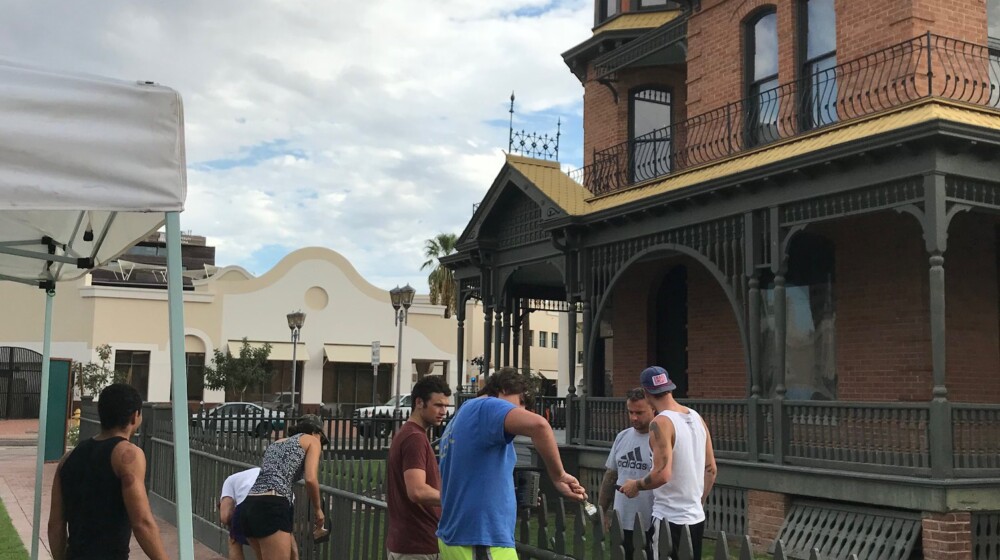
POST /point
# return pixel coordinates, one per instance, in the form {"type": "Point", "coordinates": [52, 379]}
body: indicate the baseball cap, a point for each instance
{"type": "Point", "coordinates": [656, 380]}
{"type": "Point", "coordinates": [315, 424]}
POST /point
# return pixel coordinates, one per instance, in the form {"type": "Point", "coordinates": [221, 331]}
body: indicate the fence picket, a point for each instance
{"type": "Point", "coordinates": [722, 547]}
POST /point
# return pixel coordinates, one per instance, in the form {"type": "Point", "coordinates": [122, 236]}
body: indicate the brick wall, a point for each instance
{"type": "Point", "coordinates": [716, 365]}
{"type": "Point", "coordinates": [716, 36]}
{"type": "Point", "coordinates": [882, 302]}
{"type": "Point", "coordinates": [765, 514]}
{"type": "Point", "coordinates": [947, 536]}
{"type": "Point", "coordinates": [883, 309]}
{"type": "Point", "coordinates": [606, 123]}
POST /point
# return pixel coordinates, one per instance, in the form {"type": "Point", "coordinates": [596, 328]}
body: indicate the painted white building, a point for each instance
{"type": "Point", "coordinates": [344, 314]}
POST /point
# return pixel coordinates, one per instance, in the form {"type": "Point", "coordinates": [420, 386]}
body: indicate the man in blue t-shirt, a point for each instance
{"type": "Point", "coordinates": [478, 508]}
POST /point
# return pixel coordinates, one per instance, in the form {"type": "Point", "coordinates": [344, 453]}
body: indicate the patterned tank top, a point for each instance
{"type": "Point", "coordinates": [283, 464]}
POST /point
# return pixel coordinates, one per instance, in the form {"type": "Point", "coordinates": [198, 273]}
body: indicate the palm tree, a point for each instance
{"type": "Point", "coordinates": [441, 281]}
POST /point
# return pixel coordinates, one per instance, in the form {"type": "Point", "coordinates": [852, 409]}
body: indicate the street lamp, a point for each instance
{"type": "Point", "coordinates": [402, 299]}
{"type": "Point", "coordinates": [295, 322]}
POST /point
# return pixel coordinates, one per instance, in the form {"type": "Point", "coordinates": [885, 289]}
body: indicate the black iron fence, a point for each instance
{"type": "Point", "coordinates": [352, 495]}
{"type": "Point", "coordinates": [927, 66]}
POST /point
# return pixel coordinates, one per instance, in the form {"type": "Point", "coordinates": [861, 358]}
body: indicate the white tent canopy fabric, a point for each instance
{"type": "Point", "coordinates": [88, 166]}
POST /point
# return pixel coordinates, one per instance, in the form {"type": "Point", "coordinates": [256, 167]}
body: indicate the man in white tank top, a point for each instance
{"type": "Point", "coordinates": [684, 467]}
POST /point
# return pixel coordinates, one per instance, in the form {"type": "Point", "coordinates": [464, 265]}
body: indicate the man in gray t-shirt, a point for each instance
{"type": "Point", "coordinates": [630, 459]}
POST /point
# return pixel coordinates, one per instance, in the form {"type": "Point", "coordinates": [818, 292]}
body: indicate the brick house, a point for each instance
{"type": "Point", "coordinates": [792, 206]}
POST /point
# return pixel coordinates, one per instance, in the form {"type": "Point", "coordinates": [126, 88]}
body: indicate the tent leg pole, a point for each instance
{"type": "Point", "coordinates": [178, 380]}
{"type": "Point", "coordinates": [43, 414]}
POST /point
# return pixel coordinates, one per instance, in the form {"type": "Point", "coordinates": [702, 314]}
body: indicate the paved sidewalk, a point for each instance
{"type": "Point", "coordinates": [17, 487]}
{"type": "Point", "coordinates": [19, 432]}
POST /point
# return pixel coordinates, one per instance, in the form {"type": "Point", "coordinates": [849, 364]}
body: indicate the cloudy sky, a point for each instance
{"type": "Point", "coordinates": [366, 126]}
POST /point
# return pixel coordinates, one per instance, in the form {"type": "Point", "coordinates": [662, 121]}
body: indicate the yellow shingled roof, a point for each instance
{"type": "Point", "coordinates": [576, 200]}
{"type": "Point", "coordinates": [638, 20]}
{"type": "Point", "coordinates": [546, 175]}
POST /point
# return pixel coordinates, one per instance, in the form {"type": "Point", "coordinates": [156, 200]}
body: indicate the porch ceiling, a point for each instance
{"type": "Point", "coordinates": [575, 200]}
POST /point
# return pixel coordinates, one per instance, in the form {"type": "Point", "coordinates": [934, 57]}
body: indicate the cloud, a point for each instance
{"type": "Point", "coordinates": [366, 127]}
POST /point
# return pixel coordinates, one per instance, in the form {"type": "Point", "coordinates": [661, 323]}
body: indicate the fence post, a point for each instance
{"type": "Point", "coordinates": [930, 67]}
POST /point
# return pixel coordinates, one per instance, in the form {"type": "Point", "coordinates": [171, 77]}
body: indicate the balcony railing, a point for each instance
{"type": "Point", "coordinates": [927, 66]}
{"type": "Point", "coordinates": [888, 438]}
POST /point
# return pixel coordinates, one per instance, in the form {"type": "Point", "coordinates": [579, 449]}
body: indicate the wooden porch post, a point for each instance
{"type": "Point", "coordinates": [460, 354]}
{"type": "Point", "coordinates": [936, 237]}
{"type": "Point", "coordinates": [515, 333]}
{"type": "Point", "coordinates": [778, 263]}
{"type": "Point", "coordinates": [752, 260]}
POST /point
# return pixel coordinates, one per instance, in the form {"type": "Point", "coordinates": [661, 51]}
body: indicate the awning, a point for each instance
{"type": "Point", "coordinates": [280, 351]}
{"type": "Point", "coordinates": [358, 353]}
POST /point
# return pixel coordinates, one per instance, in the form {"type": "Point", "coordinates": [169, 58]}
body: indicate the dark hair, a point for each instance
{"type": "Point", "coordinates": [506, 380]}
{"type": "Point", "coordinates": [427, 386]}
{"type": "Point", "coordinates": [636, 394]}
{"type": "Point", "coordinates": [116, 404]}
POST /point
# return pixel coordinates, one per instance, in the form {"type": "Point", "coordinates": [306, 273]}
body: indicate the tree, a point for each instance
{"type": "Point", "coordinates": [238, 373]}
{"type": "Point", "coordinates": [441, 280]}
{"type": "Point", "coordinates": [92, 377]}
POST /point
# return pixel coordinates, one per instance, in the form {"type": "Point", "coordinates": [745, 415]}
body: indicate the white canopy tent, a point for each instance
{"type": "Point", "coordinates": [88, 167]}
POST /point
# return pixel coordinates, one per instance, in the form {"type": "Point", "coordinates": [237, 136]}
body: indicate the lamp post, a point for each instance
{"type": "Point", "coordinates": [402, 299]}
{"type": "Point", "coordinates": [295, 322]}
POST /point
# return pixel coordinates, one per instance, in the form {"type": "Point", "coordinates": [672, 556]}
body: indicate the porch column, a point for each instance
{"type": "Point", "coordinates": [498, 337]}
{"type": "Point", "coordinates": [460, 357]}
{"type": "Point", "coordinates": [506, 335]}
{"type": "Point", "coordinates": [515, 333]}
{"type": "Point", "coordinates": [588, 354]}
{"type": "Point", "coordinates": [779, 366]}
{"type": "Point", "coordinates": [753, 405]}
{"type": "Point", "coordinates": [936, 237]}
{"type": "Point", "coordinates": [571, 390]}
{"type": "Point", "coordinates": [487, 336]}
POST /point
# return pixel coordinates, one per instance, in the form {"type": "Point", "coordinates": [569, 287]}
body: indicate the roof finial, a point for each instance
{"type": "Point", "coordinates": [510, 136]}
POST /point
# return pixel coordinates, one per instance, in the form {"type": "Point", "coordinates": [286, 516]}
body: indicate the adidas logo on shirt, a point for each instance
{"type": "Point", "coordinates": [633, 460]}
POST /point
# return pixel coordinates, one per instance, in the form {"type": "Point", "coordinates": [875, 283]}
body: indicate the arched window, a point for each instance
{"type": "Point", "coordinates": [762, 77]}
{"type": "Point", "coordinates": [657, 4]}
{"type": "Point", "coordinates": [993, 25]}
{"type": "Point", "coordinates": [993, 20]}
{"type": "Point", "coordinates": [818, 53]}
{"type": "Point", "coordinates": [649, 133]}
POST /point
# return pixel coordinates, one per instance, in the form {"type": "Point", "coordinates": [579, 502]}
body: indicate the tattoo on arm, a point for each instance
{"type": "Point", "coordinates": [654, 431]}
{"type": "Point", "coordinates": [606, 497]}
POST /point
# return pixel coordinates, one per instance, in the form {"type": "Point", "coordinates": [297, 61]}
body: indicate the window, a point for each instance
{"type": "Point", "coordinates": [195, 375]}
{"type": "Point", "coordinates": [650, 133]}
{"type": "Point", "coordinates": [993, 18]}
{"type": "Point", "coordinates": [579, 357]}
{"type": "Point", "coordinates": [993, 25]}
{"type": "Point", "coordinates": [555, 340]}
{"type": "Point", "coordinates": [531, 338]}
{"type": "Point", "coordinates": [542, 343]}
{"type": "Point", "coordinates": [818, 50]}
{"type": "Point", "coordinates": [658, 4]}
{"type": "Point", "coordinates": [607, 9]}
{"type": "Point", "coordinates": [133, 368]}
{"type": "Point", "coordinates": [810, 322]}
{"type": "Point", "coordinates": [762, 78]}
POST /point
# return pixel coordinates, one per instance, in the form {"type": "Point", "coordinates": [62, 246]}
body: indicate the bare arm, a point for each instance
{"type": "Point", "coordinates": [226, 508]}
{"type": "Point", "coordinates": [661, 441]}
{"type": "Point", "coordinates": [417, 489]}
{"type": "Point", "coordinates": [129, 464]}
{"type": "Point", "coordinates": [711, 469]}
{"type": "Point", "coordinates": [606, 497]}
{"type": "Point", "coordinates": [58, 538]}
{"type": "Point", "coordinates": [521, 422]}
{"type": "Point", "coordinates": [313, 450]}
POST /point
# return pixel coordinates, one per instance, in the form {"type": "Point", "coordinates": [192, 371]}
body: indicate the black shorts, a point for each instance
{"type": "Point", "coordinates": [262, 516]}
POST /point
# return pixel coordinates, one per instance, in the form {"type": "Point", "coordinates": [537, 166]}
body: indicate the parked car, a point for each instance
{"type": "Point", "coordinates": [280, 401]}
{"type": "Point", "coordinates": [244, 417]}
{"type": "Point", "coordinates": [381, 420]}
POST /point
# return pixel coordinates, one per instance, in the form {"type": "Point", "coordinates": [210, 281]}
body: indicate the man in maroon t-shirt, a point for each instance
{"type": "Point", "coordinates": [414, 495]}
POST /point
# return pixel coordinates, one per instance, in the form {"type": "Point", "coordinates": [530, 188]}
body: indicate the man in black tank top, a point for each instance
{"type": "Point", "coordinates": [99, 491]}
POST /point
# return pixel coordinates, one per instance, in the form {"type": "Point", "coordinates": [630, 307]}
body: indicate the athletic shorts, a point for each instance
{"type": "Point", "coordinates": [236, 527]}
{"type": "Point", "coordinates": [449, 552]}
{"type": "Point", "coordinates": [262, 516]}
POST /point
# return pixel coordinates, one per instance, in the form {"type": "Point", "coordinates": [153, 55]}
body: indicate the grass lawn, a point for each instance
{"type": "Point", "coordinates": [10, 544]}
